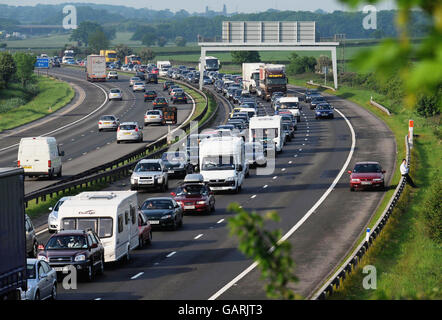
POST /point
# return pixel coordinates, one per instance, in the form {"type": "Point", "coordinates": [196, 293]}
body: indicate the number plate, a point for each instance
{"type": "Point", "coordinates": [365, 182]}
{"type": "Point", "coordinates": [170, 171]}
{"type": "Point", "coordinates": [61, 269]}
{"type": "Point", "coordinates": [189, 207]}
{"type": "Point", "coordinates": [27, 167]}
{"type": "Point", "coordinates": [154, 222]}
{"type": "Point", "coordinates": [127, 133]}
{"type": "Point", "coordinates": [107, 123]}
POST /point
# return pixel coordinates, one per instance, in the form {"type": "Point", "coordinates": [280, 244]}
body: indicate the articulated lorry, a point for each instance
{"type": "Point", "coordinates": [12, 234]}
{"type": "Point", "coordinates": [96, 68]}
{"type": "Point", "coordinates": [272, 78]}
{"type": "Point", "coordinates": [110, 55]}
{"type": "Point", "coordinates": [250, 76]}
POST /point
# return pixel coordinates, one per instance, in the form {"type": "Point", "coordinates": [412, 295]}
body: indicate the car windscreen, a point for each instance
{"type": "Point", "coordinates": [107, 118]}
{"type": "Point", "coordinates": [153, 112]}
{"type": "Point", "coordinates": [191, 189]}
{"type": "Point", "coordinates": [139, 84]}
{"type": "Point", "coordinates": [64, 242]}
{"type": "Point", "coordinates": [150, 92]}
{"type": "Point", "coordinates": [147, 167]}
{"type": "Point", "coordinates": [128, 127]}
{"type": "Point", "coordinates": [323, 107]}
{"type": "Point", "coordinates": [224, 162]}
{"type": "Point", "coordinates": [317, 99]}
{"type": "Point", "coordinates": [115, 91]}
{"type": "Point", "coordinates": [155, 204]}
{"type": "Point", "coordinates": [289, 105]}
{"type": "Point", "coordinates": [135, 79]}
{"type": "Point", "coordinates": [173, 157]}
{"type": "Point", "coordinates": [367, 168]}
{"type": "Point", "coordinates": [58, 205]}
{"type": "Point", "coordinates": [160, 100]}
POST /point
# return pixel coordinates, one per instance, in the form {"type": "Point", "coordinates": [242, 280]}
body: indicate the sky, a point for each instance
{"type": "Point", "coordinates": [246, 6]}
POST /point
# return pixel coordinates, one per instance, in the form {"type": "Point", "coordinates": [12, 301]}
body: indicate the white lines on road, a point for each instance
{"type": "Point", "coordinates": [300, 149]}
{"type": "Point", "coordinates": [305, 139]}
{"type": "Point", "coordinates": [198, 236]}
{"type": "Point", "coordinates": [97, 299]}
{"type": "Point", "coordinates": [283, 169]}
{"type": "Point", "coordinates": [275, 177]}
{"type": "Point", "coordinates": [295, 155]}
{"type": "Point", "coordinates": [72, 139]}
{"type": "Point", "coordinates": [69, 159]}
{"type": "Point", "coordinates": [253, 197]}
{"type": "Point", "coordinates": [220, 221]}
{"type": "Point", "coordinates": [156, 263]}
{"type": "Point", "coordinates": [290, 162]}
{"type": "Point", "coordinates": [137, 275]}
{"type": "Point", "coordinates": [170, 254]}
{"type": "Point", "coordinates": [84, 153]}
{"type": "Point", "coordinates": [265, 186]}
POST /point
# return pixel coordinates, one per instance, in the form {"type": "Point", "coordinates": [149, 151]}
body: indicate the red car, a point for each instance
{"type": "Point", "coordinates": [150, 95]}
{"type": "Point", "coordinates": [367, 175]}
{"type": "Point", "coordinates": [160, 102]}
{"type": "Point", "coordinates": [144, 230]}
{"type": "Point", "coordinates": [195, 197]}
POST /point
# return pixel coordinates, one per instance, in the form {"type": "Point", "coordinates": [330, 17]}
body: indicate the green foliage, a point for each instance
{"type": "Point", "coordinates": [161, 41]}
{"type": "Point", "coordinates": [98, 41]}
{"type": "Point", "coordinates": [245, 56]}
{"type": "Point", "coordinates": [428, 105]}
{"type": "Point", "coordinates": [273, 257]}
{"type": "Point", "coordinates": [180, 41]}
{"type": "Point", "coordinates": [83, 31]}
{"type": "Point", "coordinates": [147, 54]}
{"type": "Point", "coordinates": [123, 51]}
{"type": "Point", "coordinates": [433, 210]}
{"type": "Point", "coordinates": [25, 66]}
{"type": "Point", "coordinates": [3, 45]}
{"type": "Point", "coordinates": [148, 39]}
{"type": "Point", "coordinates": [7, 68]}
{"type": "Point", "coordinates": [11, 104]}
{"type": "Point", "coordinates": [301, 64]}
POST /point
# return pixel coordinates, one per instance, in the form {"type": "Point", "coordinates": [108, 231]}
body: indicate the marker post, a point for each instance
{"type": "Point", "coordinates": [410, 132]}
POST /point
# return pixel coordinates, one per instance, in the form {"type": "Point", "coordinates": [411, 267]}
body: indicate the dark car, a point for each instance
{"type": "Point", "coordinates": [176, 163]}
{"type": "Point", "coordinates": [324, 110]}
{"type": "Point", "coordinates": [167, 84]}
{"type": "Point", "coordinates": [140, 75]}
{"type": "Point", "coordinates": [163, 212]}
{"type": "Point", "coordinates": [31, 238]}
{"type": "Point", "coordinates": [173, 86]}
{"type": "Point", "coordinates": [367, 175]}
{"type": "Point", "coordinates": [195, 197]}
{"type": "Point", "coordinates": [179, 97]}
{"type": "Point", "coordinates": [309, 93]}
{"type": "Point", "coordinates": [316, 100]}
{"type": "Point", "coordinates": [150, 95]}
{"type": "Point", "coordinates": [160, 102]}
{"type": "Point", "coordinates": [219, 86]}
{"type": "Point", "coordinates": [80, 248]}
{"type": "Point", "coordinates": [56, 64]}
{"type": "Point", "coordinates": [152, 78]}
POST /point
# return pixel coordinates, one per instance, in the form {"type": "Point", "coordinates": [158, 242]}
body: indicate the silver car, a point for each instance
{"type": "Point", "coordinates": [115, 94]}
{"type": "Point", "coordinates": [108, 122]}
{"type": "Point", "coordinates": [153, 116]}
{"type": "Point", "coordinates": [133, 80]}
{"type": "Point", "coordinates": [42, 281]}
{"type": "Point", "coordinates": [149, 173]}
{"type": "Point", "coordinates": [129, 131]}
{"type": "Point", "coordinates": [53, 216]}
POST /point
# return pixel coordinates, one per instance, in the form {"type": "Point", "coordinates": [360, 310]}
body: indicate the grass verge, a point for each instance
{"type": "Point", "coordinates": [52, 95]}
{"type": "Point", "coordinates": [407, 260]}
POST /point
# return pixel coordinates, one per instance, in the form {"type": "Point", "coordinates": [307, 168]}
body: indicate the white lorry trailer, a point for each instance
{"type": "Point", "coordinates": [250, 76]}
{"type": "Point", "coordinates": [268, 129]}
{"type": "Point", "coordinates": [96, 68]}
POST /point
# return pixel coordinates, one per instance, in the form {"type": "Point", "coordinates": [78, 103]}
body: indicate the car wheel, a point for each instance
{"type": "Point", "coordinates": [89, 273]}
{"type": "Point", "coordinates": [99, 130]}
{"type": "Point", "coordinates": [118, 141]}
{"type": "Point", "coordinates": [149, 240]}
{"type": "Point", "coordinates": [37, 296]}
{"type": "Point", "coordinates": [141, 240]}
{"type": "Point", "coordinates": [54, 292]}
{"type": "Point", "coordinates": [101, 270]}
{"type": "Point", "coordinates": [51, 175]}
{"type": "Point", "coordinates": [180, 224]}
{"type": "Point", "coordinates": [212, 209]}
{"type": "Point", "coordinates": [59, 173]}
{"type": "Point", "coordinates": [175, 225]}
{"type": "Point", "coordinates": [352, 189]}
{"type": "Point", "coordinates": [34, 250]}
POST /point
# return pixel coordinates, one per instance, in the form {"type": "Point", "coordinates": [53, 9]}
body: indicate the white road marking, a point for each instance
{"type": "Point", "coordinates": [290, 162]}
{"type": "Point", "coordinates": [137, 275]}
{"type": "Point", "coordinates": [97, 299]}
{"type": "Point", "coordinates": [42, 231]}
{"type": "Point", "coordinates": [170, 254]}
{"type": "Point", "coordinates": [305, 217]}
{"type": "Point", "coordinates": [300, 149]}
{"type": "Point", "coordinates": [252, 197]}
{"type": "Point", "coordinates": [275, 177]}
{"type": "Point", "coordinates": [220, 221]}
{"type": "Point", "coordinates": [156, 263]}
{"type": "Point", "coordinates": [69, 159]}
{"type": "Point", "coordinates": [198, 236]}
{"type": "Point", "coordinates": [283, 169]}
{"type": "Point", "coordinates": [265, 186]}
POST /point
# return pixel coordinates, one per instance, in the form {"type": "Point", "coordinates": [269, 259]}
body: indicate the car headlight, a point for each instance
{"type": "Point", "coordinates": [230, 178]}
{"type": "Point", "coordinates": [167, 216]}
{"type": "Point", "coordinates": [52, 217]}
{"type": "Point", "coordinates": [133, 180]}
{"type": "Point", "coordinates": [201, 202]}
{"type": "Point", "coordinates": [355, 180]}
{"type": "Point", "coordinates": [44, 258]}
{"type": "Point", "coordinates": [377, 179]}
{"type": "Point", "coordinates": [80, 257]}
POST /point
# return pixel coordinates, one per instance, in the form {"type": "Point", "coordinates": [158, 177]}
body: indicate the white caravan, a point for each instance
{"type": "Point", "coordinates": [40, 156]}
{"type": "Point", "coordinates": [163, 66]}
{"type": "Point", "coordinates": [262, 129]}
{"type": "Point", "coordinates": [111, 214]}
{"type": "Point", "coordinates": [212, 64]}
{"type": "Point", "coordinates": [290, 104]}
{"type": "Point", "coordinates": [250, 76]}
{"type": "Point", "coordinates": [222, 163]}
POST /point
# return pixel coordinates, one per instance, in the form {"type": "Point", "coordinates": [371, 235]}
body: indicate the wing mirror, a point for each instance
{"type": "Point", "coordinates": [94, 245]}
{"type": "Point", "coordinates": [173, 194]}
{"type": "Point", "coordinates": [349, 171]}
{"type": "Point", "coordinates": [239, 168]}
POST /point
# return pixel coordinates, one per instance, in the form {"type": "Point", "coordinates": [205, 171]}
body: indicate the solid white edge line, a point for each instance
{"type": "Point", "coordinates": [305, 217]}
{"type": "Point", "coordinates": [220, 221]}
{"type": "Point", "coordinates": [137, 275]}
{"type": "Point", "coordinates": [170, 254]}
{"type": "Point", "coordinates": [198, 236]}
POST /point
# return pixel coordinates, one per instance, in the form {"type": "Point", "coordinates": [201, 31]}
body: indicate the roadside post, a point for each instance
{"type": "Point", "coordinates": [367, 235]}
{"type": "Point", "coordinates": [410, 132]}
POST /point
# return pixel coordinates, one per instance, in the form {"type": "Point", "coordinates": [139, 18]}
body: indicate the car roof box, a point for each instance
{"type": "Point", "coordinates": [194, 178]}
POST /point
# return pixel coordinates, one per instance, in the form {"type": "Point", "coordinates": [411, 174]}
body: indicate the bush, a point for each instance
{"type": "Point", "coordinates": [429, 105]}
{"type": "Point", "coordinates": [433, 210]}
{"type": "Point", "coordinates": [11, 104]}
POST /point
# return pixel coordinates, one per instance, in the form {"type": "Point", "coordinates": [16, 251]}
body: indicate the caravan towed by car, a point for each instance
{"type": "Point", "coordinates": [111, 215]}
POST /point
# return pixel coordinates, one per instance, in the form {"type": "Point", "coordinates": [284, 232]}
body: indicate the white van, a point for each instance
{"type": "Point", "coordinates": [290, 104]}
{"type": "Point", "coordinates": [40, 156]}
{"type": "Point", "coordinates": [223, 163]}
{"type": "Point", "coordinates": [111, 214]}
{"type": "Point", "coordinates": [163, 66]}
{"type": "Point", "coordinates": [262, 129]}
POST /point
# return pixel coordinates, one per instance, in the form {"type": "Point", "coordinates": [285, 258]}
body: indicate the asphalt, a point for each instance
{"type": "Point", "coordinates": [84, 146]}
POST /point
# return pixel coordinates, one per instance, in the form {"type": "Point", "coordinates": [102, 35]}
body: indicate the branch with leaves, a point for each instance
{"type": "Point", "coordinates": [273, 257]}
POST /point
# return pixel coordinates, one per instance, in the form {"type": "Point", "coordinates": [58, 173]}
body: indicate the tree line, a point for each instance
{"type": "Point", "coordinates": [16, 67]}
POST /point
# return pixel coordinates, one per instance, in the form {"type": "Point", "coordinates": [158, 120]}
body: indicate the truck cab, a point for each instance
{"type": "Point", "coordinates": [272, 78]}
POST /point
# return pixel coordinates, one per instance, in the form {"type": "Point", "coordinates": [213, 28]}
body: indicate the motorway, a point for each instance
{"type": "Point", "coordinates": [201, 261]}
{"type": "Point", "coordinates": [84, 146]}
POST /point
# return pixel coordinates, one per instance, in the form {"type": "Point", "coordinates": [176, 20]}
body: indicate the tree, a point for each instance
{"type": "Point", "coordinates": [245, 56]}
{"type": "Point", "coordinates": [98, 41]}
{"type": "Point", "coordinates": [272, 256]}
{"type": "Point", "coordinates": [148, 39]}
{"type": "Point", "coordinates": [323, 61]}
{"type": "Point", "coordinates": [161, 41]}
{"type": "Point", "coordinates": [300, 64]}
{"type": "Point", "coordinates": [25, 66]}
{"type": "Point", "coordinates": [180, 41]}
{"type": "Point", "coordinates": [7, 67]}
{"type": "Point", "coordinates": [84, 30]}
{"type": "Point", "coordinates": [123, 51]}
{"type": "Point", "coordinates": [147, 54]}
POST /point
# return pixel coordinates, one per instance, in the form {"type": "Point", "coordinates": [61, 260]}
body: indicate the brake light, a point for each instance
{"type": "Point", "coordinates": [49, 163]}
{"type": "Point", "coordinates": [18, 163]}
{"type": "Point", "coordinates": [145, 117]}
{"type": "Point", "coordinates": [136, 129]}
{"type": "Point", "coordinates": [99, 122]}
{"type": "Point", "coordinates": [118, 129]}
{"type": "Point", "coordinates": [114, 122]}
